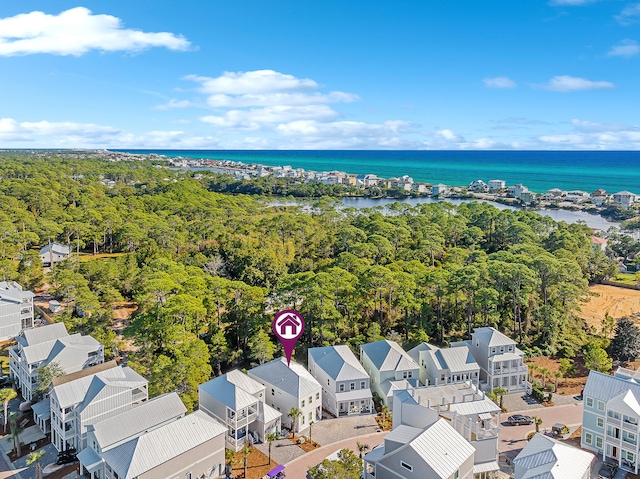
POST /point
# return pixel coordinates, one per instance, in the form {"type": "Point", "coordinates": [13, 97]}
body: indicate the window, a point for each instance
{"type": "Point", "coordinates": [352, 386]}
{"type": "Point", "coordinates": [302, 403]}
{"type": "Point", "coordinates": [188, 475]}
{"type": "Point", "coordinates": [310, 399]}
{"type": "Point", "coordinates": [588, 438]}
{"type": "Point", "coordinates": [407, 374]}
{"type": "Point", "coordinates": [589, 402]}
{"type": "Point", "coordinates": [630, 419]}
{"type": "Point", "coordinates": [317, 396]}
{"type": "Point", "coordinates": [341, 388]}
{"type": "Point", "coordinates": [598, 442]}
{"type": "Point", "coordinates": [408, 467]}
{"type": "Point", "coordinates": [630, 456]}
{"type": "Point", "coordinates": [301, 419]}
{"type": "Point", "coordinates": [600, 405]}
{"type": "Point", "coordinates": [456, 475]}
{"type": "Point", "coordinates": [363, 384]}
{"type": "Point", "coordinates": [273, 392]}
{"type": "Point", "coordinates": [328, 383]}
{"type": "Point", "coordinates": [600, 422]}
{"type": "Point", "coordinates": [310, 416]}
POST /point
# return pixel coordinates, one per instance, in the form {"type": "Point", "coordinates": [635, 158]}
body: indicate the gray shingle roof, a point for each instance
{"type": "Point", "coordinates": [294, 380]}
{"type": "Point", "coordinates": [388, 356]}
{"type": "Point", "coordinates": [147, 416]}
{"type": "Point", "coordinates": [150, 450]}
{"type": "Point", "coordinates": [338, 362]}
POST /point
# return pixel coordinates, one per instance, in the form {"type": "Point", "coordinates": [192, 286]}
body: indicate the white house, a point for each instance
{"type": "Point", "coordinates": [577, 196]}
{"type": "Point", "coordinates": [625, 199]}
{"type": "Point", "coordinates": [39, 347]}
{"type": "Point", "coordinates": [440, 190]}
{"type": "Point", "coordinates": [290, 387]}
{"type": "Point", "coordinates": [189, 447]}
{"type": "Point", "coordinates": [238, 402]}
{"type": "Point", "coordinates": [345, 384]}
{"type": "Point", "coordinates": [389, 367]}
{"type": "Point", "coordinates": [544, 457]}
{"type": "Point", "coordinates": [501, 362]}
{"type": "Point", "coordinates": [478, 186]}
{"type": "Point", "coordinates": [497, 185]}
{"type": "Point", "coordinates": [435, 452]}
{"type": "Point", "coordinates": [474, 416]}
{"type": "Point", "coordinates": [89, 396]}
{"type": "Point", "coordinates": [517, 190]}
{"type": "Point", "coordinates": [54, 253]}
{"type": "Point", "coordinates": [16, 309]}
{"type": "Point", "coordinates": [445, 366]}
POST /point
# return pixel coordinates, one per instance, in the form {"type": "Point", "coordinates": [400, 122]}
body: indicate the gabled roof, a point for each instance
{"type": "Point", "coordinates": [74, 392]}
{"type": "Point", "coordinates": [439, 445]}
{"type": "Point", "coordinates": [546, 458]}
{"type": "Point", "coordinates": [84, 372]}
{"type": "Point", "coordinates": [70, 352]}
{"type": "Point", "coordinates": [57, 248]}
{"type": "Point", "coordinates": [414, 353]}
{"type": "Point", "coordinates": [491, 337]}
{"type": "Point", "coordinates": [163, 444]}
{"type": "Point", "coordinates": [43, 334]}
{"type": "Point", "coordinates": [624, 193]}
{"type": "Point", "coordinates": [457, 359]}
{"type": "Point", "coordinates": [228, 393]}
{"type": "Point", "coordinates": [391, 385]}
{"type": "Point", "coordinates": [338, 362]}
{"type": "Point", "coordinates": [138, 420]}
{"type": "Point", "coordinates": [243, 381]}
{"type": "Point", "coordinates": [12, 291]}
{"type": "Point", "coordinates": [388, 356]}
{"type": "Point", "coordinates": [625, 402]}
{"type": "Point", "coordinates": [605, 387]}
{"type": "Point", "coordinates": [294, 380]}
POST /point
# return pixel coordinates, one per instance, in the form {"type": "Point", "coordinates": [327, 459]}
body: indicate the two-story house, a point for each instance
{"type": "Point", "coordinates": [53, 253]}
{"type": "Point", "coordinates": [544, 457]}
{"type": "Point", "coordinates": [16, 309]}
{"type": "Point", "coordinates": [625, 199]}
{"type": "Point", "coordinates": [611, 417]}
{"type": "Point", "coordinates": [89, 396]}
{"type": "Point", "coordinates": [436, 451]}
{"type": "Point", "coordinates": [445, 366]}
{"type": "Point", "coordinates": [290, 387]}
{"type": "Point", "coordinates": [474, 416]}
{"type": "Point", "coordinates": [501, 362]}
{"type": "Point", "coordinates": [238, 402]}
{"type": "Point", "coordinates": [390, 369]}
{"type": "Point", "coordinates": [189, 447]}
{"type": "Point", "coordinates": [345, 384]}
{"type": "Point", "coordinates": [39, 347]}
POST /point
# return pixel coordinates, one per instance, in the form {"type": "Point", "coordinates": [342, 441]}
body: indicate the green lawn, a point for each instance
{"type": "Point", "coordinates": [90, 257]}
{"type": "Point", "coordinates": [626, 278]}
{"type": "Point", "coordinates": [4, 358]}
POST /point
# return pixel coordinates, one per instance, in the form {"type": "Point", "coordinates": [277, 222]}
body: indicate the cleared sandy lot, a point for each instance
{"type": "Point", "coordinates": [618, 302]}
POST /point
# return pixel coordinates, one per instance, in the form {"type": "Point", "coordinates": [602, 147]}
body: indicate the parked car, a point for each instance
{"type": "Point", "coordinates": [519, 419]}
{"type": "Point", "coordinates": [67, 457]}
{"type": "Point", "coordinates": [607, 470]}
{"type": "Point", "coordinates": [5, 381]}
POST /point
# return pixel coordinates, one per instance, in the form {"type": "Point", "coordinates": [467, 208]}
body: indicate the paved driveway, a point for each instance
{"type": "Point", "coordinates": [329, 431]}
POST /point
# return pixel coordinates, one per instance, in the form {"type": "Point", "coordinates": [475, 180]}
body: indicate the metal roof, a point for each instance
{"type": "Point", "coordinates": [294, 380]}
{"type": "Point", "coordinates": [43, 334]}
{"type": "Point", "coordinates": [70, 352]}
{"type": "Point", "coordinates": [604, 387]}
{"type": "Point", "coordinates": [228, 393]}
{"type": "Point", "coordinates": [491, 337]}
{"type": "Point", "coordinates": [242, 380]}
{"type": "Point", "coordinates": [628, 401]}
{"type": "Point", "coordinates": [544, 457]}
{"type": "Point", "coordinates": [150, 450]}
{"type": "Point", "coordinates": [388, 356]}
{"type": "Point", "coordinates": [268, 414]}
{"type": "Point", "coordinates": [486, 467]}
{"type": "Point", "coordinates": [147, 416]}
{"type": "Point", "coordinates": [391, 385]}
{"type": "Point", "coordinates": [424, 346]}
{"type": "Point", "coordinates": [338, 362]}
{"type": "Point", "coordinates": [84, 372]}
{"type": "Point", "coordinates": [483, 406]}
{"type": "Point", "coordinates": [354, 395]}
{"type": "Point", "coordinates": [74, 392]}
{"type": "Point", "coordinates": [457, 360]}
{"type": "Point", "coordinates": [42, 409]}
{"type": "Point", "coordinates": [90, 459]}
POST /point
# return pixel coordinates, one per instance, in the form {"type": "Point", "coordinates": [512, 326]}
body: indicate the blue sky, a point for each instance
{"type": "Point", "coordinates": [556, 74]}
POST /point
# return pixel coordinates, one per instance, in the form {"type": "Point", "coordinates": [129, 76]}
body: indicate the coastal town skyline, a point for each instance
{"type": "Point", "coordinates": [462, 75]}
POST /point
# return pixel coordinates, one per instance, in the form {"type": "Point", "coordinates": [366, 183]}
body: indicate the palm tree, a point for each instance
{"type": "Point", "coordinates": [500, 392]}
{"type": "Point", "coordinates": [6, 395]}
{"type": "Point", "coordinates": [294, 414]}
{"type": "Point", "coordinates": [246, 450]}
{"type": "Point", "coordinates": [16, 430]}
{"type": "Point", "coordinates": [310, 424]}
{"type": "Point", "coordinates": [230, 456]}
{"type": "Point", "coordinates": [533, 368]}
{"type": "Point", "coordinates": [537, 421]}
{"type": "Point", "coordinates": [557, 375]}
{"type": "Point", "coordinates": [272, 436]}
{"type": "Point", "coordinates": [34, 457]}
{"type": "Point", "coordinates": [545, 373]}
{"type": "Point", "coordinates": [362, 448]}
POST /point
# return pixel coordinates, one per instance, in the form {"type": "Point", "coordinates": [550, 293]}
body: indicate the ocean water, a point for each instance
{"type": "Point", "coordinates": [538, 170]}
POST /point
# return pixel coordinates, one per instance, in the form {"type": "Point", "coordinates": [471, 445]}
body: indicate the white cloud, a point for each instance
{"type": "Point", "coordinates": [626, 48]}
{"type": "Point", "coordinates": [255, 118]}
{"type": "Point", "coordinates": [499, 82]}
{"type": "Point", "coordinates": [565, 83]}
{"type": "Point", "coordinates": [571, 3]}
{"type": "Point", "coordinates": [75, 32]}
{"type": "Point", "coordinates": [629, 14]}
{"type": "Point", "coordinates": [448, 135]}
{"type": "Point", "coordinates": [12, 130]}
{"type": "Point", "coordinates": [173, 103]}
{"type": "Point", "coordinates": [590, 135]}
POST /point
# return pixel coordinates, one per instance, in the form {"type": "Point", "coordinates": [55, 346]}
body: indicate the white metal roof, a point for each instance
{"type": "Point", "coordinates": [294, 380]}
{"type": "Point", "coordinates": [228, 393]}
{"type": "Point", "coordinates": [90, 459]}
{"type": "Point", "coordinates": [491, 337]}
{"type": "Point", "coordinates": [626, 402]}
{"type": "Point", "coordinates": [147, 416]}
{"type": "Point", "coordinates": [544, 457]}
{"type": "Point", "coordinates": [57, 248]}
{"type": "Point", "coordinates": [150, 450]}
{"type": "Point", "coordinates": [483, 406]}
{"type": "Point", "coordinates": [486, 467]}
{"type": "Point", "coordinates": [42, 334]}
{"type": "Point", "coordinates": [355, 395]}
{"type": "Point", "coordinates": [338, 362]}
{"type": "Point", "coordinates": [42, 409]}
{"type": "Point", "coordinates": [458, 360]}
{"type": "Point", "coordinates": [423, 346]}
{"type": "Point", "coordinates": [604, 387]}
{"type": "Point", "coordinates": [388, 356]}
{"type": "Point", "coordinates": [390, 385]}
{"type": "Point", "coordinates": [244, 381]}
{"type": "Point", "coordinates": [268, 414]}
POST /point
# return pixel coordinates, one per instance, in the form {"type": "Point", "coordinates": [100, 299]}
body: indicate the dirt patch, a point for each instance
{"type": "Point", "coordinates": [574, 438]}
{"type": "Point", "coordinates": [257, 464]}
{"type": "Point", "coordinates": [566, 386]}
{"type": "Point", "coordinates": [618, 302]}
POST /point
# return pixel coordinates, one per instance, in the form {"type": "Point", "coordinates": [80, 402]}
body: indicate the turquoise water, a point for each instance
{"type": "Point", "coordinates": [539, 170]}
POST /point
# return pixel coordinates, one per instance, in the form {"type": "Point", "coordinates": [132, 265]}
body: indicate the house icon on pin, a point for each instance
{"type": "Point", "coordinates": [289, 321]}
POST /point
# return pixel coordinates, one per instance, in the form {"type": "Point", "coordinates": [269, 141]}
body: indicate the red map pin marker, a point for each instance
{"type": "Point", "coordinates": [288, 326]}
